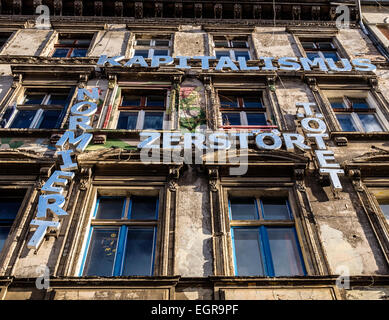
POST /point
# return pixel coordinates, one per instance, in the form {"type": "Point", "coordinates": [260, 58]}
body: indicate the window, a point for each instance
{"type": "Point", "coordinates": [147, 47]}
{"type": "Point", "coordinates": [142, 110]}
{"type": "Point", "coordinates": [39, 108]}
{"type": "Point", "coordinates": [264, 238]}
{"type": "Point", "coordinates": [9, 206]}
{"type": "Point", "coordinates": [233, 47]}
{"type": "Point", "coordinates": [122, 237]}
{"type": "Point", "coordinates": [356, 114]}
{"type": "Point", "coordinates": [323, 48]}
{"type": "Point", "coordinates": [242, 110]}
{"type": "Point", "coordinates": [4, 36]}
{"type": "Point", "coordinates": [382, 196]}
{"type": "Point", "coordinates": [72, 45]}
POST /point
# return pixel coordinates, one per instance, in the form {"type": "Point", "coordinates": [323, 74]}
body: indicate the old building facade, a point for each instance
{"type": "Point", "coordinates": [193, 229]}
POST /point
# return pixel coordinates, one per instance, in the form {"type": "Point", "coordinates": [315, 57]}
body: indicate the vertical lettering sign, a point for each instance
{"type": "Point", "coordinates": [52, 199]}
{"type": "Point", "coordinates": [314, 127]}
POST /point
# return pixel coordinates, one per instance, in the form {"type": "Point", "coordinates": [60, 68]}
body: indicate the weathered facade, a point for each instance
{"type": "Point", "coordinates": [192, 217]}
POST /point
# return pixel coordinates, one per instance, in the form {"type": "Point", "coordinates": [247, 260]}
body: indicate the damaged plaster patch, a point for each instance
{"type": "Point", "coordinates": [339, 251]}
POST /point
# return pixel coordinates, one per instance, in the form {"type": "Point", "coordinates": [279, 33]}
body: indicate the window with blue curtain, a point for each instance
{"type": "Point", "coordinates": [9, 207]}
{"type": "Point", "coordinates": [118, 243]}
{"type": "Point", "coordinates": [264, 237]}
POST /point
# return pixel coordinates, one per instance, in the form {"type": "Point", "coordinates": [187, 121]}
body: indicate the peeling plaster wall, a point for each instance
{"type": "Point", "coordinates": [193, 255]}
{"type": "Point", "coordinates": [363, 293]}
{"type": "Point", "coordinates": [274, 42]}
{"type": "Point", "coordinates": [110, 43]}
{"type": "Point", "coordinates": [289, 92]}
{"type": "Point", "coordinates": [345, 232]}
{"type": "Point", "coordinates": [358, 45]}
{"type": "Point", "coordinates": [31, 265]}
{"type": "Point", "coordinates": [189, 43]}
{"type": "Point", "coordinates": [28, 42]}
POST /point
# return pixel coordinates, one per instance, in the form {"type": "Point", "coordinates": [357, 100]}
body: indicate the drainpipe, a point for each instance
{"type": "Point", "coordinates": [370, 34]}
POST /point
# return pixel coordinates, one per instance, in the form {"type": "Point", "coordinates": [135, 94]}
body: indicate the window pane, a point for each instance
{"type": "Point", "coordinates": [110, 208]}
{"type": "Point", "coordinates": [155, 101]}
{"type": "Point", "coordinates": [23, 119]}
{"type": "Point", "coordinates": [161, 52]}
{"type": "Point", "coordinates": [370, 122]}
{"type": "Point", "coordinates": [231, 119]}
{"type": "Point", "coordinates": [220, 54]}
{"type": "Point", "coordinates": [142, 53]}
{"type": "Point", "coordinates": [337, 104]}
{"type": "Point", "coordinates": [248, 252]}
{"type": "Point", "coordinates": [143, 208]}
{"type": "Point", "coordinates": [252, 102]}
{"type": "Point", "coordinates": [79, 53]}
{"type": "Point", "coordinates": [256, 119]}
{"type": "Point", "coordinates": [161, 43]}
{"type": "Point", "coordinates": [360, 104]}
{"type": "Point", "coordinates": [6, 116]}
{"type": "Point", "coordinates": [331, 55]}
{"type": "Point", "coordinates": [239, 44]}
{"type": "Point", "coordinates": [312, 55]}
{"type": "Point", "coordinates": [308, 45]}
{"type": "Point", "coordinates": [138, 257]}
{"type": "Point", "coordinates": [346, 122]}
{"type": "Point", "coordinates": [142, 42]}
{"type": "Point", "coordinates": [153, 120]}
{"type": "Point", "coordinates": [221, 44]}
{"type": "Point", "coordinates": [49, 119]}
{"type": "Point", "coordinates": [66, 41]}
{"type": "Point", "coordinates": [61, 53]}
{"type": "Point", "coordinates": [9, 208]}
{"type": "Point", "coordinates": [101, 253]}
{"type": "Point", "coordinates": [385, 208]}
{"type": "Point", "coordinates": [131, 100]}
{"type": "Point", "coordinates": [284, 252]}
{"type": "Point", "coordinates": [244, 54]}
{"type": "Point", "coordinates": [275, 209]}
{"type": "Point", "coordinates": [127, 120]}
{"type": "Point", "coordinates": [83, 42]}
{"type": "Point", "coordinates": [4, 232]}
{"type": "Point", "coordinates": [228, 101]}
{"type": "Point", "coordinates": [33, 99]}
{"type": "Point", "coordinates": [243, 209]}
{"type": "Point", "coordinates": [58, 99]}
{"type": "Point", "coordinates": [325, 45]}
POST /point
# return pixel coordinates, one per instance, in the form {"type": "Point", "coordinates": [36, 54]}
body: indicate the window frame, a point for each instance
{"type": "Point", "coordinates": [230, 48]}
{"type": "Point", "coordinates": [262, 225]}
{"type": "Point", "coordinates": [123, 224]}
{"type": "Point", "coordinates": [372, 190]}
{"type": "Point", "coordinates": [142, 109]}
{"type": "Point", "coordinates": [72, 46]}
{"type": "Point", "coordinates": [353, 112]}
{"type": "Point", "coordinates": [331, 38]}
{"type": "Point", "coordinates": [279, 188]}
{"type": "Point", "coordinates": [40, 108]}
{"type": "Point", "coordinates": [241, 109]}
{"type": "Point", "coordinates": [17, 231]}
{"type": "Point", "coordinates": [152, 47]}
